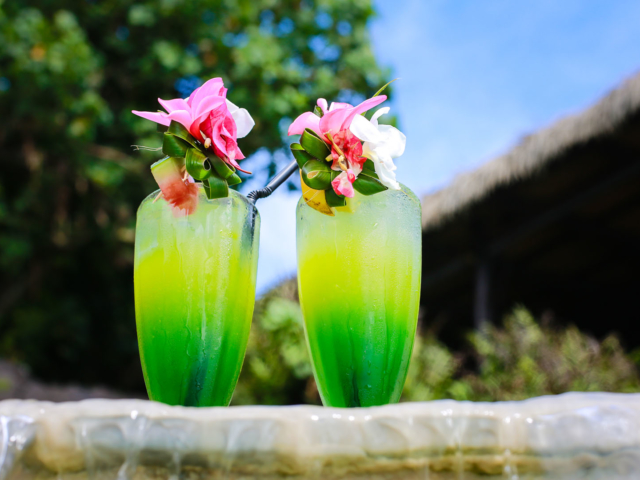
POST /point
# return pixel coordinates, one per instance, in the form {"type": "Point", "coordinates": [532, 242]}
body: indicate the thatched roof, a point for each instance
{"type": "Point", "coordinates": [533, 153]}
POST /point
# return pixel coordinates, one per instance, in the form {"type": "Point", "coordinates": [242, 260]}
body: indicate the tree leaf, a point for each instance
{"type": "Point", "coordinates": [368, 185]}
{"type": "Point", "coordinates": [197, 164]}
{"type": "Point", "coordinates": [300, 154]}
{"type": "Point", "coordinates": [316, 174]}
{"type": "Point", "coordinates": [314, 145]}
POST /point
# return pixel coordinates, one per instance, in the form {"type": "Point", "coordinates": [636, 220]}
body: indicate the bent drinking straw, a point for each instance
{"type": "Point", "coordinates": [274, 183]}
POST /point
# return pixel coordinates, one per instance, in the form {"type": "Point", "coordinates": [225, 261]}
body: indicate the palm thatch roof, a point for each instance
{"type": "Point", "coordinates": [533, 153]}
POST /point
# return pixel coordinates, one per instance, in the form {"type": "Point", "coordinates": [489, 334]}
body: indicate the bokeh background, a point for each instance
{"type": "Point", "coordinates": [474, 78]}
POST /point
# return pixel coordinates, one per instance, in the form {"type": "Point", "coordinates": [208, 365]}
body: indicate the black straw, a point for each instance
{"type": "Point", "coordinates": [274, 183]}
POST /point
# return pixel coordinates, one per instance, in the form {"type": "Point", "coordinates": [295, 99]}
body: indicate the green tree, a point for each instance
{"type": "Point", "coordinates": [70, 73]}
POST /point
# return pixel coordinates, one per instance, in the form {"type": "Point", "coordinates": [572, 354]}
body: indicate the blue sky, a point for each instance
{"type": "Point", "coordinates": [475, 76]}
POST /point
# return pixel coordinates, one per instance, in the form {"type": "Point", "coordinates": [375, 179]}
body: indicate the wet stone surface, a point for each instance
{"type": "Point", "coordinates": [571, 436]}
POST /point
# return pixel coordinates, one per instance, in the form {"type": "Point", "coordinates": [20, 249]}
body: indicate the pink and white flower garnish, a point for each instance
{"type": "Point", "coordinates": [382, 143]}
{"type": "Point", "coordinates": [344, 129]}
{"type": "Point", "coordinates": [210, 118]}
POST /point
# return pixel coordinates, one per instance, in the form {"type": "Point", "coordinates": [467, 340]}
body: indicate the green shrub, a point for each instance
{"type": "Point", "coordinates": [519, 359]}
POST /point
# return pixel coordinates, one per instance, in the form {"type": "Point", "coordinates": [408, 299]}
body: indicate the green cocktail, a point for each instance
{"type": "Point", "coordinates": [359, 279]}
{"type": "Point", "coordinates": [195, 278]}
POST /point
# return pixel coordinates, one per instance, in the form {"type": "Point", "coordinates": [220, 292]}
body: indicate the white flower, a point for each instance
{"type": "Point", "coordinates": [382, 143]}
{"type": "Point", "coordinates": [244, 122]}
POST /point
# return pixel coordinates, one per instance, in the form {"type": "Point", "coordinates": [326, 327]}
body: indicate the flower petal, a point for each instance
{"type": "Point", "coordinates": [342, 185]}
{"type": "Point", "coordinates": [322, 103]}
{"type": "Point", "coordinates": [339, 117]}
{"type": "Point", "coordinates": [244, 122]}
{"type": "Point", "coordinates": [363, 107]}
{"type": "Point", "coordinates": [181, 116]}
{"type": "Point", "coordinates": [205, 107]}
{"type": "Point", "coordinates": [175, 104]}
{"type": "Point", "coordinates": [378, 114]}
{"type": "Point", "coordinates": [394, 140]}
{"type": "Point", "coordinates": [306, 120]}
{"type": "Point", "coordinates": [384, 168]}
{"type": "Point", "coordinates": [364, 130]}
{"type": "Point", "coordinates": [339, 106]}
{"type": "Point", "coordinates": [211, 87]}
{"type": "Point", "coordinates": [158, 117]}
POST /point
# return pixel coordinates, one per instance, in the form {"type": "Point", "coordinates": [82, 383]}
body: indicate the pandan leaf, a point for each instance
{"type": "Point", "coordinates": [369, 169]}
{"type": "Point", "coordinates": [197, 164]}
{"type": "Point", "coordinates": [300, 154]}
{"type": "Point", "coordinates": [173, 146]}
{"type": "Point", "coordinates": [316, 174]}
{"type": "Point", "coordinates": [221, 168]}
{"type": "Point", "coordinates": [313, 133]}
{"type": "Point", "coordinates": [333, 199]}
{"type": "Point", "coordinates": [234, 179]}
{"type": "Point", "coordinates": [314, 146]}
{"type": "Point", "coordinates": [215, 187]}
{"type": "Point", "coordinates": [368, 185]}
{"type": "Point", "coordinates": [318, 111]}
{"type": "Point", "coordinates": [178, 130]}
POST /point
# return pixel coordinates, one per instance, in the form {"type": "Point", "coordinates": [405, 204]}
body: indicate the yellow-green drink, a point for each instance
{"type": "Point", "coordinates": [195, 278]}
{"type": "Point", "coordinates": [359, 279]}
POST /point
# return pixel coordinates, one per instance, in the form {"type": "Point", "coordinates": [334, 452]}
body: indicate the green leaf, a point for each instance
{"type": "Point", "coordinates": [333, 199]}
{"type": "Point", "coordinates": [369, 169]}
{"type": "Point", "coordinates": [161, 128]}
{"type": "Point", "coordinates": [380, 91]}
{"type": "Point", "coordinates": [318, 111]}
{"type": "Point", "coordinates": [300, 154]}
{"type": "Point", "coordinates": [384, 86]}
{"type": "Point", "coordinates": [166, 168]}
{"type": "Point", "coordinates": [215, 187]}
{"type": "Point", "coordinates": [197, 164]}
{"type": "Point", "coordinates": [178, 130]}
{"type": "Point", "coordinates": [314, 145]}
{"type": "Point", "coordinates": [316, 174]}
{"type": "Point", "coordinates": [234, 179]}
{"type": "Point", "coordinates": [221, 168]}
{"type": "Point", "coordinates": [368, 185]}
{"type": "Point", "coordinates": [172, 146]}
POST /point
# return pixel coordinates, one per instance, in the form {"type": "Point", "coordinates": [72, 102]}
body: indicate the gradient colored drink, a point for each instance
{"type": "Point", "coordinates": [195, 278]}
{"type": "Point", "coordinates": [359, 279]}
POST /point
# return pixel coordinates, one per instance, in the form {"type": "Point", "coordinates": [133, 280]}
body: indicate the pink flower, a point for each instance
{"type": "Point", "coordinates": [336, 118]}
{"type": "Point", "coordinates": [207, 111]}
{"type": "Point", "coordinates": [342, 184]}
{"type": "Point", "coordinates": [351, 148]}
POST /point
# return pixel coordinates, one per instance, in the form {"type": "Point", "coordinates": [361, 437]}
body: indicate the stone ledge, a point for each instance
{"type": "Point", "coordinates": [548, 437]}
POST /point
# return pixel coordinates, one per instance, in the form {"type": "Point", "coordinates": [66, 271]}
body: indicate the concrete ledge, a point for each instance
{"type": "Point", "coordinates": [575, 435]}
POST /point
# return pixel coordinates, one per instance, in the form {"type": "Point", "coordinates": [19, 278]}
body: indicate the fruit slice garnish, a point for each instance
{"type": "Point", "coordinates": [315, 198]}
{"type": "Point", "coordinates": [178, 191]}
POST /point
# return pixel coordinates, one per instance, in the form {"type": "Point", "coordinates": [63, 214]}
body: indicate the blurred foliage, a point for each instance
{"type": "Point", "coordinates": [277, 368]}
{"type": "Point", "coordinates": [519, 359]}
{"type": "Point", "coordinates": [70, 73]}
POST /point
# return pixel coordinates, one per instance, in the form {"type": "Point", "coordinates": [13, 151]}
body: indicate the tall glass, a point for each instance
{"type": "Point", "coordinates": [359, 279]}
{"type": "Point", "coordinates": [195, 279]}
